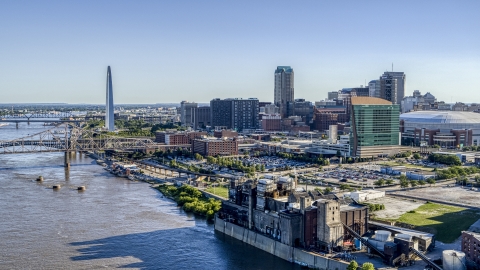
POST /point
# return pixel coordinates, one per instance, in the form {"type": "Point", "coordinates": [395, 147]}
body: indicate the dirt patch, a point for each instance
{"type": "Point", "coordinates": [395, 207]}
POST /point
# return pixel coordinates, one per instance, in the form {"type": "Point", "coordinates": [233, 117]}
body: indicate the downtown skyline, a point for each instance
{"type": "Point", "coordinates": [168, 52]}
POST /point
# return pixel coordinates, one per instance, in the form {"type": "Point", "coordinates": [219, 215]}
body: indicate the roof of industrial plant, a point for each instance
{"type": "Point", "coordinates": [370, 101]}
{"type": "Point", "coordinates": [444, 117]}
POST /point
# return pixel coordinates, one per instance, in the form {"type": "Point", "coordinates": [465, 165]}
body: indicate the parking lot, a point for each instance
{"type": "Point", "coordinates": [273, 163]}
{"type": "Point", "coordinates": [454, 194]}
{"type": "Point", "coordinates": [360, 176]}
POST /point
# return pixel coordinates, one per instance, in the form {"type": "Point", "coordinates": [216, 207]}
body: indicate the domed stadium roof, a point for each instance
{"type": "Point", "coordinates": [445, 117]}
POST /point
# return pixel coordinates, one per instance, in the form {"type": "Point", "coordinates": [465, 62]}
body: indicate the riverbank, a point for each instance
{"type": "Point", "coordinates": [191, 200]}
{"type": "Point", "coordinates": [288, 253]}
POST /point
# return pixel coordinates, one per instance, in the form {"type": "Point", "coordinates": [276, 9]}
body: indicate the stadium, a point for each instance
{"type": "Point", "coordinates": [448, 129]}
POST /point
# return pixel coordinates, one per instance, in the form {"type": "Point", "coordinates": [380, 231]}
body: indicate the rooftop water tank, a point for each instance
{"type": "Point", "coordinates": [378, 244]}
{"type": "Point", "coordinates": [382, 235]}
{"type": "Point", "coordinates": [453, 260]}
{"type": "Point", "coordinates": [404, 236]}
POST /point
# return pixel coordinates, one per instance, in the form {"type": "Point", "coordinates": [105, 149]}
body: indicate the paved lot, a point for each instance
{"type": "Point", "coordinates": [448, 194]}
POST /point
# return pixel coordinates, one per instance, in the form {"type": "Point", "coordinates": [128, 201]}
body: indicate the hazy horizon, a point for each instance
{"type": "Point", "coordinates": [166, 52]}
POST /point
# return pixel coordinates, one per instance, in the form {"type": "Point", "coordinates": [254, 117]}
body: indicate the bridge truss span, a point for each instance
{"type": "Point", "coordinates": [68, 138]}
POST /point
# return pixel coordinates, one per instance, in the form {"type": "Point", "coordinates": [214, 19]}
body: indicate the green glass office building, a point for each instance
{"type": "Point", "coordinates": [375, 127]}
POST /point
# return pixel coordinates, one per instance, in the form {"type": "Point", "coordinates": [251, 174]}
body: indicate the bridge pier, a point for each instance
{"type": "Point", "coordinates": [67, 160]}
{"type": "Point", "coordinates": [16, 125]}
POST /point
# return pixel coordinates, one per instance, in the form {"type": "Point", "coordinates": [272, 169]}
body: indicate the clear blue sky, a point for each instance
{"type": "Point", "coordinates": [168, 51]}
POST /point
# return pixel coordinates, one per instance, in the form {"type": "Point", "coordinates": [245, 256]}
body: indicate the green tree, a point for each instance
{"type": "Point", "coordinates": [368, 266]}
{"type": "Point", "coordinates": [431, 181]}
{"type": "Point", "coordinates": [344, 187]}
{"type": "Point", "coordinates": [379, 182]}
{"type": "Point", "coordinates": [417, 156]}
{"type": "Point", "coordinates": [328, 190]}
{"type": "Point", "coordinates": [389, 182]}
{"type": "Point", "coordinates": [413, 183]}
{"type": "Point", "coordinates": [198, 156]}
{"type": "Point", "coordinates": [421, 183]}
{"type": "Point", "coordinates": [352, 266]}
{"type": "Point", "coordinates": [477, 179]}
{"type": "Point", "coordinates": [404, 183]}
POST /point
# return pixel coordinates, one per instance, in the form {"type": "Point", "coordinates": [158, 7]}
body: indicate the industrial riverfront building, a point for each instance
{"type": "Point", "coordinates": [448, 129]}
{"type": "Point", "coordinates": [296, 218]}
{"type": "Point", "coordinates": [234, 113]}
{"type": "Point", "coordinates": [275, 215]}
{"type": "Point", "coordinates": [109, 112]}
{"type": "Point", "coordinates": [375, 127]}
{"type": "Point", "coordinates": [284, 91]}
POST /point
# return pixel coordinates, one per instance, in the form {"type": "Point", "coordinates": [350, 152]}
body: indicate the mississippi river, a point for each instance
{"type": "Point", "coordinates": [115, 223]}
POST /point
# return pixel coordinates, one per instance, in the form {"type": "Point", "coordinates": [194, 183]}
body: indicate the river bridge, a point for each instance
{"type": "Point", "coordinates": [35, 117]}
{"type": "Point", "coordinates": [69, 138]}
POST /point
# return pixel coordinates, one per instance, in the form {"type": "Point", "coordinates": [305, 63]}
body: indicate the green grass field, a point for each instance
{"type": "Point", "coordinates": [219, 191]}
{"type": "Point", "coordinates": [448, 221]}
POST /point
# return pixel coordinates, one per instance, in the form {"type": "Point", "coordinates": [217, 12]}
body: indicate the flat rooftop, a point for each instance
{"type": "Point", "coordinates": [370, 101]}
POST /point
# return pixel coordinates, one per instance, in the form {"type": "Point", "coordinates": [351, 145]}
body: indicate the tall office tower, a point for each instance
{"type": "Point", "coordinates": [284, 90]}
{"type": "Point", "coordinates": [109, 116]}
{"type": "Point", "coordinates": [374, 88]}
{"type": "Point", "coordinates": [375, 127]}
{"type": "Point", "coordinates": [392, 86]}
{"type": "Point", "coordinates": [333, 95]}
{"type": "Point", "coordinates": [303, 108]}
{"type": "Point", "coordinates": [234, 113]}
{"type": "Point", "coordinates": [201, 117]}
{"type": "Point", "coordinates": [187, 113]}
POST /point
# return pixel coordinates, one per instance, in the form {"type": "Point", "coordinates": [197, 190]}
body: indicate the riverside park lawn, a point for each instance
{"type": "Point", "coordinates": [219, 191]}
{"type": "Point", "coordinates": [448, 221]}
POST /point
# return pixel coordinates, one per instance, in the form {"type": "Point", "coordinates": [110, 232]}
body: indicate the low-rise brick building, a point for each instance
{"type": "Point", "coordinates": [225, 133]}
{"type": "Point", "coordinates": [471, 247]}
{"type": "Point", "coordinates": [214, 147]}
{"type": "Point", "coordinates": [176, 138]}
{"type": "Point", "coordinates": [272, 122]}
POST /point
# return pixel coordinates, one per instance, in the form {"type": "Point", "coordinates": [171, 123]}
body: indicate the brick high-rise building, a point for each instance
{"type": "Point", "coordinates": [235, 113]}
{"type": "Point", "coordinates": [323, 118]}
